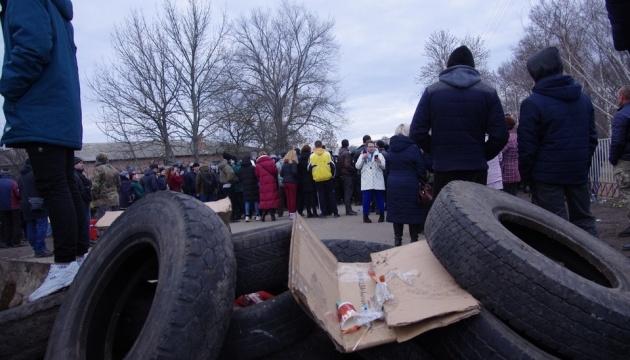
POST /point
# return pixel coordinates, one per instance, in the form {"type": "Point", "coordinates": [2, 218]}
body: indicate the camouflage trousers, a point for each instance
{"type": "Point", "coordinates": [622, 177]}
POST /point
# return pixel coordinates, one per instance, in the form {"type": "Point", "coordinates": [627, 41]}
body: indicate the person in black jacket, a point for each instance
{"type": "Point", "coordinates": [85, 190]}
{"type": "Point", "coordinates": [306, 185]}
{"type": "Point", "coordinates": [556, 141]}
{"type": "Point", "coordinates": [125, 193]}
{"type": "Point", "coordinates": [347, 172]}
{"type": "Point", "coordinates": [33, 212]}
{"type": "Point", "coordinates": [190, 178]}
{"type": "Point", "coordinates": [249, 183]}
{"type": "Point", "coordinates": [149, 181]}
{"type": "Point", "coordinates": [619, 155]}
{"type": "Point", "coordinates": [452, 120]}
{"type": "Point", "coordinates": [619, 15]}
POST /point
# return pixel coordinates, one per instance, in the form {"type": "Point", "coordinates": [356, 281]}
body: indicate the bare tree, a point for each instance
{"type": "Point", "coordinates": [198, 52]}
{"type": "Point", "coordinates": [138, 90]}
{"type": "Point", "coordinates": [439, 47]}
{"type": "Point", "coordinates": [286, 61]}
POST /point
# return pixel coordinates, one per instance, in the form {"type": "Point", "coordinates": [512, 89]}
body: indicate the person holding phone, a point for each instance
{"type": "Point", "coordinates": [371, 164]}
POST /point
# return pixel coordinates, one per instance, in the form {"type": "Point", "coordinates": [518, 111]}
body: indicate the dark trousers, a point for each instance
{"type": "Point", "coordinates": [236, 198]}
{"type": "Point", "coordinates": [326, 194]}
{"type": "Point", "coordinates": [557, 198]}
{"type": "Point", "coordinates": [11, 227]}
{"type": "Point", "coordinates": [53, 167]}
{"type": "Point", "coordinates": [414, 231]}
{"type": "Point", "coordinates": [348, 190]}
{"type": "Point", "coordinates": [441, 179]}
{"type": "Point", "coordinates": [309, 202]}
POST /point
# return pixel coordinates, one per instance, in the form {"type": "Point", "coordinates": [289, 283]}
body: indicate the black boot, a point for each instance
{"type": "Point", "coordinates": [262, 218]}
{"type": "Point", "coordinates": [366, 219]}
{"type": "Point", "coordinates": [381, 218]}
{"type": "Point", "coordinates": [273, 215]}
{"type": "Point", "coordinates": [397, 241]}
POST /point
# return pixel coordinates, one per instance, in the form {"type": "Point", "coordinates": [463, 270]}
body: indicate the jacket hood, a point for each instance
{"type": "Point", "coordinates": [460, 76]}
{"type": "Point", "coordinates": [246, 162]}
{"type": "Point", "coordinates": [561, 87]}
{"type": "Point", "coordinates": [545, 63]}
{"type": "Point", "coordinates": [65, 8]}
{"type": "Point", "coordinates": [399, 143]}
{"type": "Point", "coordinates": [266, 162]}
{"type": "Point", "coordinates": [319, 151]}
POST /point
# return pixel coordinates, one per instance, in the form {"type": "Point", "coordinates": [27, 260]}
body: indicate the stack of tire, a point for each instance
{"type": "Point", "coordinates": [162, 281]}
{"type": "Point", "coordinates": [555, 290]}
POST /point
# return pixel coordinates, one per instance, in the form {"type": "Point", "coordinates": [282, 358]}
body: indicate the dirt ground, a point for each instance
{"type": "Point", "coordinates": [611, 219]}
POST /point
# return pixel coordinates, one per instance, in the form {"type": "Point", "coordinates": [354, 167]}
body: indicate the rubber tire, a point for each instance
{"type": "Point", "coordinates": [262, 258]}
{"type": "Point", "coordinates": [480, 337]}
{"type": "Point", "coordinates": [558, 310]}
{"type": "Point", "coordinates": [265, 328]}
{"type": "Point", "coordinates": [25, 329]}
{"type": "Point", "coordinates": [192, 305]}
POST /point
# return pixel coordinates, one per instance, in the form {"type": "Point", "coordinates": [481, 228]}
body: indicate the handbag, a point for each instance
{"type": "Point", "coordinates": [425, 195]}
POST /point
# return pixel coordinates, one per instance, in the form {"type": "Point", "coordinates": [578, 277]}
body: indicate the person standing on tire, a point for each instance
{"type": "Point", "coordinates": [347, 172]}
{"type": "Point", "coordinates": [42, 107]}
{"type": "Point", "coordinates": [452, 120]}
{"type": "Point", "coordinates": [556, 141]}
{"type": "Point", "coordinates": [619, 155]}
{"type": "Point", "coordinates": [321, 166]}
{"type": "Point", "coordinates": [372, 164]}
{"type": "Point", "coordinates": [406, 172]}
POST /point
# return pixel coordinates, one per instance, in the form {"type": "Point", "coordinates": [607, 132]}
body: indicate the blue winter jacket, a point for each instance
{"type": "Point", "coordinates": [620, 136]}
{"type": "Point", "coordinates": [406, 169]}
{"type": "Point", "coordinates": [452, 120]}
{"type": "Point", "coordinates": [556, 133]}
{"type": "Point", "coordinates": [40, 78]}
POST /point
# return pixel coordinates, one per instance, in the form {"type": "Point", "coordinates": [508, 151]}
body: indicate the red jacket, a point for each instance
{"type": "Point", "coordinates": [175, 182]}
{"type": "Point", "coordinates": [267, 175]}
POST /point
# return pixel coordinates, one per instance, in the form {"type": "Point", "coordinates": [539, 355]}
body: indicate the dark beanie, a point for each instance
{"type": "Point", "coordinates": [461, 56]}
{"type": "Point", "coordinates": [77, 160]}
{"type": "Point", "coordinates": [545, 63]}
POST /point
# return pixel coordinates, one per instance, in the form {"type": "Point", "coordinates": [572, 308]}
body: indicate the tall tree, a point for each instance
{"type": "Point", "coordinates": [287, 68]}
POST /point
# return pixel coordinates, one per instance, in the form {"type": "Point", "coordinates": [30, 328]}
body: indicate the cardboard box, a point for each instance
{"type": "Point", "coordinates": [222, 207]}
{"type": "Point", "coordinates": [427, 298]}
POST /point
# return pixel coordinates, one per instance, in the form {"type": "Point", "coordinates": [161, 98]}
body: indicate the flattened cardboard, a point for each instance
{"type": "Point", "coordinates": [318, 281]}
{"type": "Point", "coordinates": [220, 207]}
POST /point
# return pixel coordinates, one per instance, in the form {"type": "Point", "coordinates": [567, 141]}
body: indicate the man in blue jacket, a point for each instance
{"type": "Point", "coordinates": [556, 141]}
{"type": "Point", "coordinates": [452, 120]}
{"type": "Point", "coordinates": [42, 107]}
{"type": "Point", "coordinates": [619, 155]}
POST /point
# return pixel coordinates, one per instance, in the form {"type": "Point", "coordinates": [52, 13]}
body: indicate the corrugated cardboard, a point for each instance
{"type": "Point", "coordinates": [318, 281]}
{"type": "Point", "coordinates": [221, 207]}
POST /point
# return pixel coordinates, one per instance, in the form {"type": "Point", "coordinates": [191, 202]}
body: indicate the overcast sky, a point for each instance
{"type": "Point", "coordinates": [381, 44]}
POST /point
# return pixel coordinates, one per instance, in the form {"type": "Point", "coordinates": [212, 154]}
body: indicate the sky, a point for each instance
{"type": "Point", "coordinates": [381, 48]}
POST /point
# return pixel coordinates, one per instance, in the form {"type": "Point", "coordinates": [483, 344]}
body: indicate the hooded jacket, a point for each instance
{"type": "Point", "coordinates": [105, 184]}
{"type": "Point", "coordinates": [556, 132]}
{"type": "Point", "coordinates": [40, 79]}
{"type": "Point", "coordinates": [249, 181]}
{"type": "Point", "coordinates": [305, 179]}
{"type": "Point", "coordinates": [406, 170]}
{"type": "Point", "coordinates": [453, 117]}
{"type": "Point", "coordinates": [320, 164]}
{"type": "Point", "coordinates": [267, 175]}
{"type": "Point", "coordinates": [620, 136]}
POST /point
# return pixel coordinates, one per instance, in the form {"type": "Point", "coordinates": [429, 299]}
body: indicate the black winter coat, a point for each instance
{"type": "Point", "coordinates": [620, 136]}
{"type": "Point", "coordinates": [189, 183]}
{"type": "Point", "coordinates": [345, 165]}
{"type": "Point", "coordinates": [306, 183]}
{"type": "Point", "coordinates": [619, 15]}
{"type": "Point", "coordinates": [28, 190]}
{"type": "Point", "coordinates": [452, 120]}
{"type": "Point", "coordinates": [406, 170]}
{"type": "Point", "coordinates": [289, 173]}
{"type": "Point", "coordinates": [149, 182]}
{"type": "Point", "coordinates": [125, 193]}
{"type": "Point", "coordinates": [249, 181]}
{"type": "Point", "coordinates": [85, 187]}
{"type": "Point", "coordinates": [556, 133]}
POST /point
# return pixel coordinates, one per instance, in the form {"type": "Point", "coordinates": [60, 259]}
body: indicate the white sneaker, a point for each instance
{"type": "Point", "coordinates": [246, 218]}
{"type": "Point", "coordinates": [81, 259]}
{"type": "Point", "coordinates": [59, 276]}
{"type": "Point", "coordinates": [257, 218]}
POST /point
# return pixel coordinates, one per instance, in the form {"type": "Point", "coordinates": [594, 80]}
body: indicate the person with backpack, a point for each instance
{"type": "Point", "coordinates": [322, 168]}
{"type": "Point", "coordinates": [206, 184]}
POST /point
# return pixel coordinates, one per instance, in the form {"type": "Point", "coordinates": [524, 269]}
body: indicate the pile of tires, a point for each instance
{"type": "Point", "coordinates": [548, 287]}
{"type": "Point", "coordinates": [162, 284]}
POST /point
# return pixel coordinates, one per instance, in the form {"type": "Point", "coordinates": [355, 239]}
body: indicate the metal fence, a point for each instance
{"type": "Point", "coordinates": [601, 173]}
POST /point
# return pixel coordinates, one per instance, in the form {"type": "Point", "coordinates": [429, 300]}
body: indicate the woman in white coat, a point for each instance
{"type": "Point", "coordinates": [371, 164]}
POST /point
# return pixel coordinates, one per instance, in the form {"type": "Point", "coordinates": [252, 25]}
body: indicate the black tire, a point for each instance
{"type": "Point", "coordinates": [25, 329]}
{"type": "Point", "coordinates": [480, 337]}
{"type": "Point", "coordinates": [556, 285]}
{"type": "Point", "coordinates": [262, 258]}
{"type": "Point", "coordinates": [115, 309]}
{"type": "Point", "coordinates": [265, 328]}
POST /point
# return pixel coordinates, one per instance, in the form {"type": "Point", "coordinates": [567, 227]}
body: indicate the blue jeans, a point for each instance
{"type": "Point", "coordinates": [248, 207]}
{"type": "Point", "coordinates": [36, 234]}
{"type": "Point", "coordinates": [367, 199]}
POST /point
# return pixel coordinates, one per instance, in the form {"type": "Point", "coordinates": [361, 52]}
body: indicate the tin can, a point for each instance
{"type": "Point", "coordinates": [345, 311]}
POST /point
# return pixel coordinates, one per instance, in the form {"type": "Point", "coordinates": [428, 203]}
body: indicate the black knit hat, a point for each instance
{"type": "Point", "coordinates": [545, 63]}
{"type": "Point", "coordinates": [461, 56]}
{"type": "Point", "coordinates": [77, 160]}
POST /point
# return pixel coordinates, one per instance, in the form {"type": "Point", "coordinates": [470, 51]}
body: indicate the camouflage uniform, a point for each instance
{"type": "Point", "coordinates": [105, 184]}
